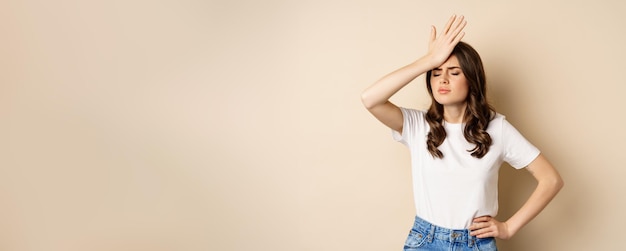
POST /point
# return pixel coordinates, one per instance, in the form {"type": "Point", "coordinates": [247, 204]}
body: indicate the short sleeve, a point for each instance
{"type": "Point", "coordinates": [518, 151]}
{"type": "Point", "coordinates": [412, 121]}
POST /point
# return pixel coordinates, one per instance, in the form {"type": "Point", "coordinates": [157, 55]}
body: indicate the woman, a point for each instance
{"type": "Point", "coordinates": [457, 147]}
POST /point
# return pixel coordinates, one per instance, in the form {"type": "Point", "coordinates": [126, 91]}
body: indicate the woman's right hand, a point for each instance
{"type": "Point", "coordinates": [376, 97]}
{"type": "Point", "coordinates": [440, 48]}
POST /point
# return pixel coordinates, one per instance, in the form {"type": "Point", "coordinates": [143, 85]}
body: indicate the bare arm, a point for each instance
{"type": "Point", "coordinates": [376, 97]}
{"type": "Point", "coordinates": [549, 183]}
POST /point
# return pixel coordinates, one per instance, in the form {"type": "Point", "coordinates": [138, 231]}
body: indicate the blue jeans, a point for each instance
{"type": "Point", "coordinates": [426, 236]}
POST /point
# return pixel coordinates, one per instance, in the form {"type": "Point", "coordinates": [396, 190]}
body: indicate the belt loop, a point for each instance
{"type": "Point", "coordinates": [471, 239]}
{"type": "Point", "coordinates": [431, 235]}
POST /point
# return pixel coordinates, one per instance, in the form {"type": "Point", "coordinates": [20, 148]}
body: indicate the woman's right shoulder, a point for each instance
{"type": "Point", "coordinates": [413, 112]}
{"type": "Point", "coordinates": [413, 116]}
{"type": "Point", "coordinates": [414, 124]}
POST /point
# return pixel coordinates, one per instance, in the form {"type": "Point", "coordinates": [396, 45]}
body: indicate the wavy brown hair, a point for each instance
{"type": "Point", "coordinates": [478, 113]}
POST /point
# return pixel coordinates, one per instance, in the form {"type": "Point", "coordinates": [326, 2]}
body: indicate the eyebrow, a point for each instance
{"type": "Point", "coordinates": [449, 68]}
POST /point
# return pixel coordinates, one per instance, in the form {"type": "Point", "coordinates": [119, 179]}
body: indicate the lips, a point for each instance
{"type": "Point", "coordinates": [443, 90]}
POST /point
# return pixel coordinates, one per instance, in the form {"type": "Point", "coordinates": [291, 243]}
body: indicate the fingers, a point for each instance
{"type": "Point", "coordinates": [482, 219]}
{"type": "Point", "coordinates": [484, 229]}
{"type": "Point", "coordinates": [458, 38]}
{"type": "Point", "coordinates": [453, 31]}
{"type": "Point", "coordinates": [455, 24]}
{"type": "Point", "coordinates": [449, 24]}
{"type": "Point", "coordinates": [441, 45]}
{"type": "Point", "coordinates": [477, 226]}
{"type": "Point", "coordinates": [486, 226]}
{"type": "Point", "coordinates": [458, 33]}
{"type": "Point", "coordinates": [486, 233]}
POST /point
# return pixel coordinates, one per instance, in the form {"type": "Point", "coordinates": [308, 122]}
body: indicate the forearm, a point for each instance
{"type": "Point", "coordinates": [439, 49]}
{"type": "Point", "coordinates": [387, 86]}
{"type": "Point", "coordinates": [544, 193]}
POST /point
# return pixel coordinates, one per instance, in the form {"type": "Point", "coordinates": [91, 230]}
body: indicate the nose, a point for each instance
{"type": "Point", "coordinates": [443, 80]}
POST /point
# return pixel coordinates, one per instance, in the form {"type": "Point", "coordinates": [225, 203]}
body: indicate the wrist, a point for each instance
{"type": "Point", "coordinates": [511, 228]}
{"type": "Point", "coordinates": [428, 62]}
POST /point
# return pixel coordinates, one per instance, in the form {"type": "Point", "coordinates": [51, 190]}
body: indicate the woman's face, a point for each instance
{"type": "Point", "coordinates": [449, 84]}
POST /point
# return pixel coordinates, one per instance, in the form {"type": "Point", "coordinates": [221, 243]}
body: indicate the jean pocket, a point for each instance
{"type": "Point", "coordinates": [414, 241]}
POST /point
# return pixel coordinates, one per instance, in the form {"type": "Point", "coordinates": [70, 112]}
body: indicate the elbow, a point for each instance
{"type": "Point", "coordinates": [366, 100]}
{"type": "Point", "coordinates": [559, 183]}
{"type": "Point", "coordinates": [553, 183]}
{"type": "Point", "coordinates": [556, 183]}
{"type": "Point", "coordinates": [370, 100]}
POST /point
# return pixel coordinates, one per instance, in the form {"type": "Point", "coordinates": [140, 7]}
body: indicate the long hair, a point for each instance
{"type": "Point", "coordinates": [478, 113]}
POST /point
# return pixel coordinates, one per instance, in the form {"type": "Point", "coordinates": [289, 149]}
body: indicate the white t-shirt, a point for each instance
{"type": "Point", "coordinates": [452, 191]}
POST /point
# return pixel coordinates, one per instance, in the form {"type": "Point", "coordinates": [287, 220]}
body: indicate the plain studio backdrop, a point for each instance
{"type": "Point", "coordinates": [237, 125]}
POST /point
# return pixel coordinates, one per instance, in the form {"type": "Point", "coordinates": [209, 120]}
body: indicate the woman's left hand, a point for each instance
{"type": "Point", "coordinates": [485, 226]}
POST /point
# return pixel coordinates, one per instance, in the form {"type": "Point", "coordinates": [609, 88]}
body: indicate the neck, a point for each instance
{"type": "Point", "coordinates": [454, 113]}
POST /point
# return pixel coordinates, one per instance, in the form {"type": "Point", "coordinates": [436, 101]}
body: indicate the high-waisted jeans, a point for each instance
{"type": "Point", "coordinates": [426, 236]}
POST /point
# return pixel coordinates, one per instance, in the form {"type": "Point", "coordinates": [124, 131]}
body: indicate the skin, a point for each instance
{"type": "Point", "coordinates": [376, 100]}
{"type": "Point", "coordinates": [450, 89]}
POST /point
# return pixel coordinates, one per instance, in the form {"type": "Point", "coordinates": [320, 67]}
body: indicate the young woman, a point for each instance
{"type": "Point", "coordinates": [457, 147]}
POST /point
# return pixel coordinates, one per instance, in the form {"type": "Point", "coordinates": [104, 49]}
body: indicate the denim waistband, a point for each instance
{"type": "Point", "coordinates": [445, 234]}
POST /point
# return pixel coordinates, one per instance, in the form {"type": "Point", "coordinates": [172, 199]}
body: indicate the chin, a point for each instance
{"type": "Point", "coordinates": [446, 102]}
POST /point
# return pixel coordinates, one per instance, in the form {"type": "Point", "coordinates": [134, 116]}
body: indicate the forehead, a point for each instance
{"type": "Point", "coordinates": [450, 63]}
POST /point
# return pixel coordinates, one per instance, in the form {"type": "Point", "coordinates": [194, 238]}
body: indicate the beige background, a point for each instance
{"type": "Point", "coordinates": [237, 125]}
